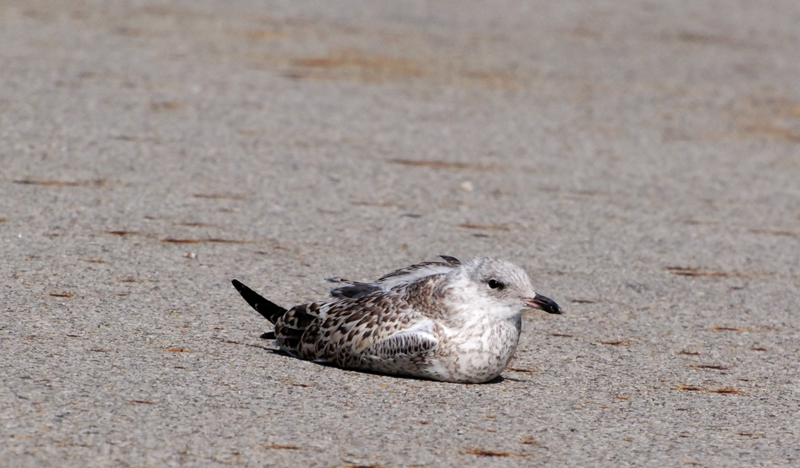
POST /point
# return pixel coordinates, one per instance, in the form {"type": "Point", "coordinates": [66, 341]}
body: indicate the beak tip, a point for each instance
{"type": "Point", "coordinates": [545, 304]}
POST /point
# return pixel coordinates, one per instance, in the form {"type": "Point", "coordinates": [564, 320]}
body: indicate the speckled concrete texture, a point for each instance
{"type": "Point", "coordinates": [640, 159]}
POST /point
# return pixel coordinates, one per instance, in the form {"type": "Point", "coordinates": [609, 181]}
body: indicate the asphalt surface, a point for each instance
{"type": "Point", "coordinates": [641, 160]}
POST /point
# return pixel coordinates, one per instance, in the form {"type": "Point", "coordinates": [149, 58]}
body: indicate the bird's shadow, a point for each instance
{"type": "Point", "coordinates": [280, 352]}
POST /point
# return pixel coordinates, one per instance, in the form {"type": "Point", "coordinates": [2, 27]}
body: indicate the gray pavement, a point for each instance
{"type": "Point", "coordinates": [640, 159]}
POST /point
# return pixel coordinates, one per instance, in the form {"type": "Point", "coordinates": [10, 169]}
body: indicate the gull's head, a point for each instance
{"type": "Point", "coordinates": [505, 286]}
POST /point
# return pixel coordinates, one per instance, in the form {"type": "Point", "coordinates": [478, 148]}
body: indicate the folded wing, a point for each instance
{"type": "Point", "coordinates": [405, 344]}
{"type": "Point", "coordinates": [403, 276]}
{"type": "Point", "coordinates": [360, 332]}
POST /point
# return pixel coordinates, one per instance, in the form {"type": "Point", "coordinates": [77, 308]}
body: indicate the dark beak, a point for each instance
{"type": "Point", "coordinates": [542, 303]}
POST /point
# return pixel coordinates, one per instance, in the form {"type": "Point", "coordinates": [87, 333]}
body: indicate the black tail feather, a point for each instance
{"type": "Point", "coordinates": [269, 310]}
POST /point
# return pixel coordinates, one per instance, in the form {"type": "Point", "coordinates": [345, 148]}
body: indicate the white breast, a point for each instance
{"type": "Point", "coordinates": [477, 353]}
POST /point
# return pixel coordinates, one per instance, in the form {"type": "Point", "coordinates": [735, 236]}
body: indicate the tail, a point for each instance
{"type": "Point", "coordinates": [270, 311]}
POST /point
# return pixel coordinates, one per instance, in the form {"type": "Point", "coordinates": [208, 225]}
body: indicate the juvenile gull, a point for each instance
{"type": "Point", "coordinates": [444, 320]}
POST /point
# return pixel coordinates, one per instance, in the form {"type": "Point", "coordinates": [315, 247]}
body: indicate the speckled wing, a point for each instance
{"type": "Point", "coordinates": [409, 343]}
{"type": "Point", "coordinates": [417, 271]}
{"type": "Point", "coordinates": [403, 276]}
{"type": "Point", "coordinates": [369, 332]}
{"type": "Point", "coordinates": [351, 289]}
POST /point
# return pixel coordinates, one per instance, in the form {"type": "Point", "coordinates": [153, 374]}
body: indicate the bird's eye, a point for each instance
{"type": "Point", "coordinates": [494, 284]}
